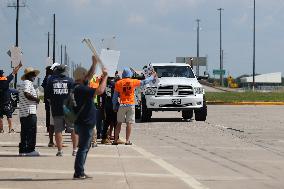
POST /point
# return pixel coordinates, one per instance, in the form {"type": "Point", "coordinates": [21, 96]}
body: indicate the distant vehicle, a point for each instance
{"type": "Point", "coordinates": [178, 89]}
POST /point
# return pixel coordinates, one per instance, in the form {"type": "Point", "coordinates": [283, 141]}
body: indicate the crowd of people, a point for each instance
{"type": "Point", "coordinates": [102, 104]}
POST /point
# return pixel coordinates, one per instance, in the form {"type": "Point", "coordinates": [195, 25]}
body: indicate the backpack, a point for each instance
{"type": "Point", "coordinates": [69, 105]}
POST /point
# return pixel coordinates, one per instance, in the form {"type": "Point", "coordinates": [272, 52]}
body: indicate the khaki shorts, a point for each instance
{"type": "Point", "coordinates": [126, 114]}
{"type": "Point", "coordinates": [59, 124]}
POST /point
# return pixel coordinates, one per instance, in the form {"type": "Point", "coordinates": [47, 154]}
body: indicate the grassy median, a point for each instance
{"type": "Point", "coordinates": [244, 97]}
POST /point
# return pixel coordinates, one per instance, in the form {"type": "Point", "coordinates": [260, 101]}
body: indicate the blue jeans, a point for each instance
{"type": "Point", "coordinates": [85, 133]}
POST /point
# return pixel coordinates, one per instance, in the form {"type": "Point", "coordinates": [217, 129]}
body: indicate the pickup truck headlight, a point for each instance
{"type": "Point", "coordinates": [198, 90]}
{"type": "Point", "coordinates": [150, 91]}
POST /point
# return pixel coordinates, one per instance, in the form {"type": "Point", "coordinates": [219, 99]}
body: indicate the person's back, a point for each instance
{"type": "Point", "coordinates": [84, 99]}
{"type": "Point", "coordinates": [58, 88]}
{"type": "Point", "coordinates": [126, 88]}
{"type": "Point", "coordinates": [4, 89]}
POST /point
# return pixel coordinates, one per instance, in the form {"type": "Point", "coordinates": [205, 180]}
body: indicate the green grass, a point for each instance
{"type": "Point", "coordinates": [245, 97]}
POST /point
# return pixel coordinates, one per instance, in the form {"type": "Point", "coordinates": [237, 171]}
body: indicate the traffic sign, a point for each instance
{"type": "Point", "coordinates": [219, 72]}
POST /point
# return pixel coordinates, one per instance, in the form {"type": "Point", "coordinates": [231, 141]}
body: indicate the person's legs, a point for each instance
{"type": "Point", "coordinates": [128, 131]}
{"type": "Point", "coordinates": [47, 117]}
{"type": "Point", "coordinates": [50, 135]}
{"type": "Point", "coordinates": [59, 126]}
{"type": "Point", "coordinates": [116, 132]}
{"type": "Point", "coordinates": [99, 123]}
{"type": "Point", "coordinates": [32, 129]}
{"type": "Point", "coordinates": [85, 133]}
{"type": "Point", "coordinates": [74, 138]}
{"type": "Point", "coordinates": [130, 119]}
{"type": "Point", "coordinates": [24, 133]}
{"type": "Point", "coordinates": [10, 124]}
{"type": "Point", "coordinates": [1, 124]}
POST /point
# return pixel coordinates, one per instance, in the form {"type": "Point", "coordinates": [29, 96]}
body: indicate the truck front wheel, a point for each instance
{"type": "Point", "coordinates": [201, 114]}
{"type": "Point", "coordinates": [146, 113]}
{"type": "Point", "coordinates": [187, 114]}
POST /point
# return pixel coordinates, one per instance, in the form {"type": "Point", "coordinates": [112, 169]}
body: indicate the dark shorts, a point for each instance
{"type": "Point", "coordinates": [111, 116]}
{"type": "Point", "coordinates": [6, 110]}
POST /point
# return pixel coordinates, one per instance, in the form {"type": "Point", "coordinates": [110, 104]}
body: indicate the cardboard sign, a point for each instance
{"type": "Point", "coordinates": [16, 56]}
{"type": "Point", "coordinates": [110, 60]}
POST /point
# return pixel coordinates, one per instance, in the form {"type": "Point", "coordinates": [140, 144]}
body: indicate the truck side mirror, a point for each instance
{"type": "Point", "coordinates": [204, 77]}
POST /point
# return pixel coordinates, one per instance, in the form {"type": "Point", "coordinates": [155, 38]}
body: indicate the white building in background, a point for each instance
{"type": "Point", "coordinates": [264, 79]}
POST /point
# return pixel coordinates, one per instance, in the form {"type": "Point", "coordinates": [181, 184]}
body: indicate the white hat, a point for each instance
{"type": "Point", "coordinates": [54, 65]}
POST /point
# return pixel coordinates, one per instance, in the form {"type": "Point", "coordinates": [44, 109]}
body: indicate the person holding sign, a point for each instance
{"type": "Point", "coordinates": [5, 98]}
{"type": "Point", "coordinates": [86, 120]}
{"type": "Point", "coordinates": [124, 89]}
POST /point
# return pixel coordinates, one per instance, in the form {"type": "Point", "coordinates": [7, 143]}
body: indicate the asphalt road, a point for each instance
{"type": "Point", "coordinates": [238, 147]}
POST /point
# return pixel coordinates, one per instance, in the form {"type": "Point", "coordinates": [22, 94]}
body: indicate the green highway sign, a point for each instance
{"type": "Point", "coordinates": [219, 72]}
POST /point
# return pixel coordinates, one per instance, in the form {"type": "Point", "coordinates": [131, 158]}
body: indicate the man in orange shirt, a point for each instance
{"type": "Point", "coordinates": [125, 90]}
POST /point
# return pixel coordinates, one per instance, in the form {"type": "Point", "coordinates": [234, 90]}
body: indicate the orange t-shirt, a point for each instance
{"type": "Point", "coordinates": [3, 78]}
{"type": "Point", "coordinates": [125, 88]}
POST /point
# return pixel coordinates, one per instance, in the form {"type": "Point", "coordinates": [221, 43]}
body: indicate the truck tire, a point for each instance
{"type": "Point", "coordinates": [146, 113]}
{"type": "Point", "coordinates": [201, 114]}
{"type": "Point", "coordinates": [137, 112]}
{"type": "Point", "coordinates": [187, 114]}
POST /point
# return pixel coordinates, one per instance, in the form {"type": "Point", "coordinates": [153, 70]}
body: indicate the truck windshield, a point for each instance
{"type": "Point", "coordinates": [174, 71]}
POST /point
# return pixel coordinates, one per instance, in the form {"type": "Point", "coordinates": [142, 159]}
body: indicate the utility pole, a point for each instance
{"type": "Point", "coordinates": [221, 56]}
{"type": "Point", "coordinates": [253, 63]}
{"type": "Point", "coordinates": [48, 44]}
{"type": "Point", "coordinates": [17, 6]}
{"type": "Point", "coordinates": [65, 55]}
{"type": "Point", "coordinates": [61, 54]}
{"type": "Point", "coordinates": [53, 38]}
{"type": "Point", "coordinates": [197, 48]}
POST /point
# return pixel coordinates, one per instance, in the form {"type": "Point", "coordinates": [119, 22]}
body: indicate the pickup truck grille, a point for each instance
{"type": "Point", "coordinates": [165, 90]}
{"type": "Point", "coordinates": [175, 90]}
{"type": "Point", "coordinates": [185, 90]}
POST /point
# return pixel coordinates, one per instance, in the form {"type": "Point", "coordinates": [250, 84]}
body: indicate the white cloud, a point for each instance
{"type": "Point", "coordinates": [166, 6]}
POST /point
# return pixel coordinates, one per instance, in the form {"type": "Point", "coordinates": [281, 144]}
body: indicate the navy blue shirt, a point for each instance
{"type": "Point", "coordinates": [84, 96]}
{"type": "Point", "coordinates": [4, 90]}
{"type": "Point", "coordinates": [57, 90]}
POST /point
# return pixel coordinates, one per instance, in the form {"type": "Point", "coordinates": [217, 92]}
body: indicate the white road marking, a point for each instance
{"type": "Point", "coordinates": [188, 179]}
{"type": "Point", "coordinates": [55, 171]}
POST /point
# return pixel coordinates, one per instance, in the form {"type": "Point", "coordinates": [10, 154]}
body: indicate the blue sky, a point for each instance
{"type": "Point", "coordinates": [149, 31]}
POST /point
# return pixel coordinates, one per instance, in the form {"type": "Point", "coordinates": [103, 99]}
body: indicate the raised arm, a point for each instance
{"type": "Point", "coordinates": [16, 69]}
{"type": "Point", "coordinates": [92, 69]}
{"type": "Point", "coordinates": [100, 90]}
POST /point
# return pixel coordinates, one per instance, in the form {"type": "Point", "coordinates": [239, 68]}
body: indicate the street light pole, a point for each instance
{"type": "Point", "coordinates": [221, 62]}
{"type": "Point", "coordinates": [197, 57]}
{"type": "Point", "coordinates": [253, 71]}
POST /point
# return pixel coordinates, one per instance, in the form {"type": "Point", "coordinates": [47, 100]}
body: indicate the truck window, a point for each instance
{"type": "Point", "coordinates": [174, 71]}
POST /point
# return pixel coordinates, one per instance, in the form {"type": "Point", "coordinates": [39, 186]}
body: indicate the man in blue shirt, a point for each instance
{"type": "Point", "coordinates": [5, 98]}
{"type": "Point", "coordinates": [57, 90]}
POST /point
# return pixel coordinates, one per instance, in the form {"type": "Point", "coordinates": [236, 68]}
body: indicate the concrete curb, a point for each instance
{"type": "Point", "coordinates": [243, 103]}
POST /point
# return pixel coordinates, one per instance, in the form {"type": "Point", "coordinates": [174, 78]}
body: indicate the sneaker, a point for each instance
{"type": "Point", "coordinates": [33, 153]}
{"type": "Point", "coordinates": [106, 141]}
{"type": "Point", "coordinates": [22, 154]}
{"type": "Point", "coordinates": [94, 145]}
{"type": "Point", "coordinates": [2, 131]}
{"type": "Point", "coordinates": [74, 153]}
{"type": "Point", "coordinates": [11, 131]}
{"type": "Point", "coordinates": [119, 141]}
{"type": "Point", "coordinates": [81, 177]}
{"type": "Point", "coordinates": [59, 153]}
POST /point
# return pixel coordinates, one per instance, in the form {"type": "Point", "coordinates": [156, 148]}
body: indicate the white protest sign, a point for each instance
{"type": "Point", "coordinates": [49, 61]}
{"type": "Point", "coordinates": [16, 56]}
{"type": "Point", "coordinates": [110, 60]}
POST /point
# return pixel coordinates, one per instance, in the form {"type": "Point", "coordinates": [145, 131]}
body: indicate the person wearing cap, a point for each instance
{"type": "Point", "coordinates": [28, 113]}
{"type": "Point", "coordinates": [86, 120]}
{"type": "Point", "coordinates": [125, 90]}
{"type": "Point", "coordinates": [58, 88]}
{"type": "Point", "coordinates": [5, 98]}
{"type": "Point", "coordinates": [49, 121]}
